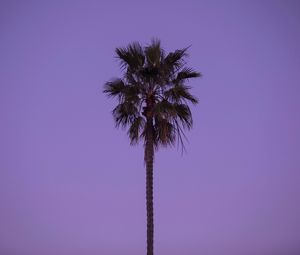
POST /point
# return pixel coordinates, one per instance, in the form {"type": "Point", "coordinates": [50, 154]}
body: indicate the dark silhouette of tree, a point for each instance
{"type": "Point", "coordinates": [153, 104]}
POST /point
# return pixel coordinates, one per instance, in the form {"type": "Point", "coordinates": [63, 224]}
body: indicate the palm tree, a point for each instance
{"type": "Point", "coordinates": [153, 104]}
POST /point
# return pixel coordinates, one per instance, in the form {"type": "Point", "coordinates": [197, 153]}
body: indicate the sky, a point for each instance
{"type": "Point", "coordinates": [71, 184]}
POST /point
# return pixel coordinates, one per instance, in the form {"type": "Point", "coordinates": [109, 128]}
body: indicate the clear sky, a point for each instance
{"type": "Point", "coordinates": [70, 183]}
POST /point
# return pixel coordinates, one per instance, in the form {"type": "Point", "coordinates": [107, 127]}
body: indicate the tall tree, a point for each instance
{"type": "Point", "coordinates": [153, 103]}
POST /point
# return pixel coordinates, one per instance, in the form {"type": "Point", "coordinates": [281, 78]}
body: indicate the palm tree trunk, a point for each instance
{"type": "Point", "coordinates": [149, 156]}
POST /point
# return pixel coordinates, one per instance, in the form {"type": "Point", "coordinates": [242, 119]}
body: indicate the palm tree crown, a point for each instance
{"type": "Point", "coordinates": [153, 88]}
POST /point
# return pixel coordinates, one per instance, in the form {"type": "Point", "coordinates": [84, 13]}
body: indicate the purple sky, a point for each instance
{"type": "Point", "coordinates": [70, 183]}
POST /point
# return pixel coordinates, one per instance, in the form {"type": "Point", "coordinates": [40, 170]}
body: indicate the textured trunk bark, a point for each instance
{"type": "Point", "coordinates": [149, 156]}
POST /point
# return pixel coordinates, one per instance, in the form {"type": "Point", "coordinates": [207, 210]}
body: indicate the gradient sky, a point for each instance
{"type": "Point", "coordinates": [70, 183]}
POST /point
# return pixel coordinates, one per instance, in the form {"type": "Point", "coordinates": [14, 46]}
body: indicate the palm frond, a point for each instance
{"type": "Point", "coordinates": [124, 114]}
{"type": "Point", "coordinates": [153, 53]}
{"type": "Point", "coordinates": [135, 130]}
{"type": "Point", "coordinates": [180, 135]}
{"type": "Point", "coordinates": [184, 114]}
{"type": "Point", "coordinates": [129, 93]}
{"type": "Point", "coordinates": [165, 132]}
{"type": "Point", "coordinates": [131, 56]}
{"type": "Point", "coordinates": [187, 73]}
{"type": "Point", "coordinates": [164, 109]}
{"type": "Point", "coordinates": [114, 88]}
{"type": "Point", "coordinates": [179, 93]}
{"type": "Point", "coordinates": [131, 77]}
{"type": "Point", "coordinates": [174, 61]}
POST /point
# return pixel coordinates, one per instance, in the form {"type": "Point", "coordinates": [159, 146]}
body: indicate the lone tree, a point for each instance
{"type": "Point", "coordinates": [153, 104]}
